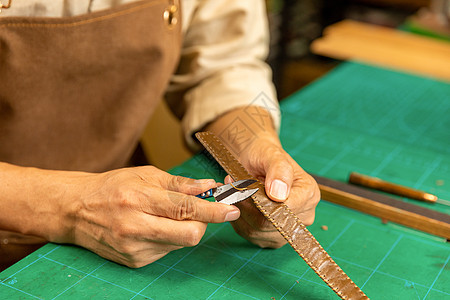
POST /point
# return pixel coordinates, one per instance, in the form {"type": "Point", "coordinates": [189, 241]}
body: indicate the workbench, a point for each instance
{"type": "Point", "coordinates": [357, 118]}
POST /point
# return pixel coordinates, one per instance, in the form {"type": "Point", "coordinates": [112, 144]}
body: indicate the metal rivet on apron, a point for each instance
{"type": "Point", "coordinates": [5, 5]}
{"type": "Point", "coordinates": [170, 16]}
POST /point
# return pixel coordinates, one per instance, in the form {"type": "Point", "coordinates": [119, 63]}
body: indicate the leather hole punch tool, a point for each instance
{"type": "Point", "coordinates": [231, 193]}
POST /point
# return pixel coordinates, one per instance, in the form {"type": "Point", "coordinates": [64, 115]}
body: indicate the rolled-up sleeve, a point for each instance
{"type": "Point", "coordinates": [222, 64]}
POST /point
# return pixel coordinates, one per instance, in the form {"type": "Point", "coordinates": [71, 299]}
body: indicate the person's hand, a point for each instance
{"type": "Point", "coordinates": [135, 216]}
{"type": "Point", "coordinates": [285, 181]}
{"type": "Point", "coordinates": [248, 132]}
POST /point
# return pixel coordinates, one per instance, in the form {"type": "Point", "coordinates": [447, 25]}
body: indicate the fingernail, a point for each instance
{"type": "Point", "coordinates": [232, 215]}
{"type": "Point", "coordinates": [278, 189]}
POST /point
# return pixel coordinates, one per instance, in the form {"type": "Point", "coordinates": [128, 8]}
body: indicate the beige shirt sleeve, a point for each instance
{"type": "Point", "coordinates": [222, 63]}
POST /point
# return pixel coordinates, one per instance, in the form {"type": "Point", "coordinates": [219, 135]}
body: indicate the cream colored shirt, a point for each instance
{"type": "Point", "coordinates": [222, 61]}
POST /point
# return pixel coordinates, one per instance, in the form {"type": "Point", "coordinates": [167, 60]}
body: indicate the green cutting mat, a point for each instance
{"type": "Point", "coordinates": [357, 118]}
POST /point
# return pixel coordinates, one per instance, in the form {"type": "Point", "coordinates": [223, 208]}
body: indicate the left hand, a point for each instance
{"type": "Point", "coordinates": [265, 158]}
{"type": "Point", "coordinates": [285, 181]}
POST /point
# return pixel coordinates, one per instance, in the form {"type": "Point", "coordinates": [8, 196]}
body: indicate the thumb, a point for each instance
{"type": "Point", "coordinates": [279, 178]}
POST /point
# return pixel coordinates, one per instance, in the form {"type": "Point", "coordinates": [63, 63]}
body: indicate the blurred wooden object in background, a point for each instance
{"type": "Point", "coordinates": [385, 47]}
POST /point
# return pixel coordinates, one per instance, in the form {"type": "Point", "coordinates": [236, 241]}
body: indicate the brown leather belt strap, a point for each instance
{"type": "Point", "coordinates": [287, 223]}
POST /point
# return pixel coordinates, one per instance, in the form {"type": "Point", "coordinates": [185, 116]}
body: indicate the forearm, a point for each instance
{"type": "Point", "coordinates": [37, 202]}
{"type": "Point", "coordinates": [242, 126]}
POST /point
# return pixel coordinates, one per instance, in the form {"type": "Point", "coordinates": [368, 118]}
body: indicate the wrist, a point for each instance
{"type": "Point", "coordinates": [38, 202]}
{"type": "Point", "coordinates": [244, 127]}
{"type": "Point", "coordinates": [68, 191]}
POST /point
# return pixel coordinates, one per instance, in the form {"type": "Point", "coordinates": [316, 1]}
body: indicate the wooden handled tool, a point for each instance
{"type": "Point", "coordinates": [392, 188]}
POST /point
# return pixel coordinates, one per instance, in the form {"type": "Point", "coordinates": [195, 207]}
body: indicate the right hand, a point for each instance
{"type": "Point", "coordinates": [135, 216]}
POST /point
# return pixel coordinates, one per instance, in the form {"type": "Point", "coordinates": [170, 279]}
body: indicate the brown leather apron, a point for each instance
{"type": "Point", "coordinates": [76, 92]}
